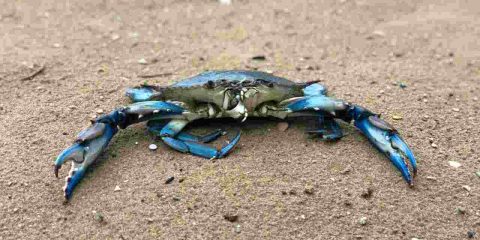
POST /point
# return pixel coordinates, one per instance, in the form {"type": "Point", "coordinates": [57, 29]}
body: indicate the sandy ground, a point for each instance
{"type": "Point", "coordinates": [362, 50]}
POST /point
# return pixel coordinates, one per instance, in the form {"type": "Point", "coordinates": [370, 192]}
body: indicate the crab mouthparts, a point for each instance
{"type": "Point", "coordinates": [239, 110]}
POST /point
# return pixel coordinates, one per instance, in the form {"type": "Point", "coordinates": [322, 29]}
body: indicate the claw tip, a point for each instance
{"type": "Point", "coordinates": [55, 170]}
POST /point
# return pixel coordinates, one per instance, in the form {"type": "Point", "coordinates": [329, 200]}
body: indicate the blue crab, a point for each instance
{"type": "Point", "coordinates": [233, 94]}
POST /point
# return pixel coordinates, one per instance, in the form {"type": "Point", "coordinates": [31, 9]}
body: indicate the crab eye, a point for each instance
{"type": "Point", "coordinates": [223, 82]}
{"type": "Point", "coordinates": [270, 85]}
{"type": "Point", "coordinates": [246, 83]}
{"type": "Point", "coordinates": [210, 84]}
{"type": "Point", "coordinates": [259, 80]}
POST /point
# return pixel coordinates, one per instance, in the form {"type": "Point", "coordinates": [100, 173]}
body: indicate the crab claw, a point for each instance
{"type": "Point", "coordinates": [386, 139]}
{"type": "Point", "coordinates": [89, 144]}
{"type": "Point", "coordinates": [202, 150]}
{"type": "Point", "coordinates": [142, 93]}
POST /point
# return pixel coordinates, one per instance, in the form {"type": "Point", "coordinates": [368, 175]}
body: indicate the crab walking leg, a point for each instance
{"type": "Point", "coordinates": [171, 131]}
{"type": "Point", "coordinates": [328, 128]}
{"type": "Point", "coordinates": [156, 127]}
{"type": "Point", "coordinates": [91, 142]}
{"type": "Point", "coordinates": [381, 134]}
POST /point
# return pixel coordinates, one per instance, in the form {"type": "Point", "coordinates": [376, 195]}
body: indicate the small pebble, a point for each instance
{"type": "Point", "coordinates": [345, 170]}
{"type": "Point", "coordinates": [397, 117]}
{"type": "Point", "coordinates": [456, 109]}
{"type": "Point", "coordinates": [238, 229]}
{"type": "Point", "coordinates": [117, 189]}
{"type": "Point", "coordinates": [310, 68]}
{"type": "Point", "coordinates": [225, 2]}
{"type": "Point", "coordinates": [431, 178]}
{"type": "Point", "coordinates": [176, 199]}
{"type": "Point", "coordinates": [169, 180]}
{"type": "Point", "coordinates": [152, 147]}
{"type": "Point", "coordinates": [363, 221]}
{"type": "Point", "coordinates": [142, 61]}
{"type": "Point", "coordinates": [379, 33]}
{"type": "Point", "coordinates": [57, 45]}
{"type": "Point", "coordinates": [230, 217]}
{"type": "Point", "coordinates": [454, 164]}
{"type": "Point", "coordinates": [367, 193]}
{"type": "Point", "coordinates": [115, 37]}
{"type": "Point", "coordinates": [99, 111]}
{"type": "Point", "coordinates": [402, 85]}
{"type": "Point", "coordinates": [98, 216]}
{"type": "Point", "coordinates": [308, 190]}
{"type": "Point", "coordinates": [398, 54]}
{"type": "Point", "coordinates": [471, 234]}
{"type": "Point", "coordinates": [478, 174]}
{"type": "Point", "coordinates": [466, 187]}
{"type": "Point", "coordinates": [259, 58]}
{"type": "Point", "coordinates": [434, 145]}
{"type": "Point", "coordinates": [460, 210]}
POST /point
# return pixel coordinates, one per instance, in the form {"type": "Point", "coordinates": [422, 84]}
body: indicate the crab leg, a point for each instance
{"type": "Point", "coordinates": [156, 127]}
{"type": "Point", "coordinates": [91, 142]}
{"type": "Point", "coordinates": [328, 128]}
{"type": "Point", "coordinates": [143, 93]}
{"type": "Point", "coordinates": [381, 134]}
{"type": "Point", "coordinates": [170, 135]}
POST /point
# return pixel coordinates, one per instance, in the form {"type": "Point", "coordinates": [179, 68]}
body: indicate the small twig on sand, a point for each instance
{"type": "Point", "coordinates": [154, 75]}
{"type": "Point", "coordinates": [34, 74]}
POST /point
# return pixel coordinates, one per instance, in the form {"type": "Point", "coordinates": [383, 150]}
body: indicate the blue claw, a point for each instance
{"type": "Point", "coordinates": [387, 140]}
{"type": "Point", "coordinates": [89, 145]}
{"type": "Point", "coordinates": [153, 107]}
{"type": "Point", "coordinates": [156, 128]}
{"type": "Point", "coordinates": [209, 137]}
{"type": "Point", "coordinates": [316, 103]}
{"type": "Point", "coordinates": [402, 146]}
{"type": "Point", "coordinates": [142, 93]}
{"type": "Point", "coordinates": [328, 129]}
{"type": "Point", "coordinates": [199, 149]}
{"type": "Point", "coordinates": [315, 89]}
{"type": "Point", "coordinates": [72, 182]}
{"type": "Point", "coordinates": [229, 147]}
